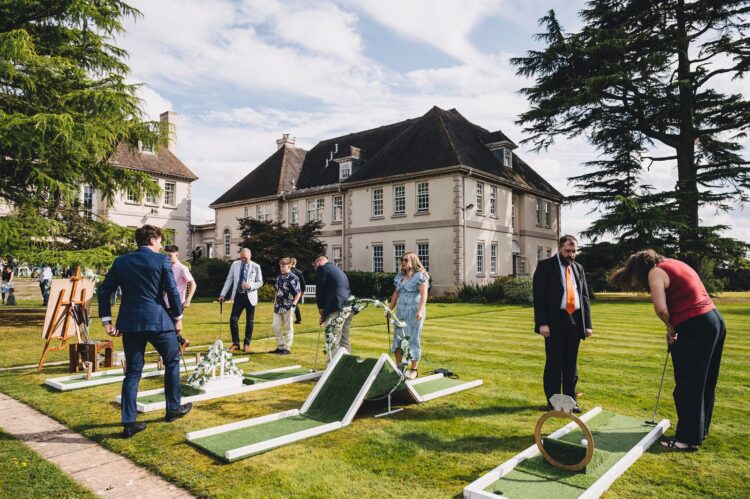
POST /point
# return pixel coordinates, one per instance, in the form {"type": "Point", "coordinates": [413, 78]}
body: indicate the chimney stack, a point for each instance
{"type": "Point", "coordinates": [170, 117]}
{"type": "Point", "coordinates": [284, 141]}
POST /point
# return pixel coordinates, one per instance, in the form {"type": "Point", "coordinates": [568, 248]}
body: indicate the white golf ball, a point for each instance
{"type": "Point", "coordinates": [584, 442]}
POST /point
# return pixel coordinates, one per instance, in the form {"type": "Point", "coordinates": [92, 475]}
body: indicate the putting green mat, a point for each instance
{"type": "Point", "coordinates": [218, 445]}
{"type": "Point", "coordinates": [340, 390]}
{"type": "Point", "coordinates": [614, 436]}
{"type": "Point", "coordinates": [387, 379]}
{"type": "Point", "coordinates": [435, 385]}
{"type": "Point", "coordinates": [252, 379]}
{"type": "Point", "coordinates": [185, 391]}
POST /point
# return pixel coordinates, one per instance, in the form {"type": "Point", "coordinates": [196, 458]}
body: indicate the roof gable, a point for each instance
{"type": "Point", "coordinates": [161, 162]}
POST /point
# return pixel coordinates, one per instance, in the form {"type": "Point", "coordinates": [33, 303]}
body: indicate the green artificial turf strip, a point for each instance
{"type": "Point", "coordinates": [614, 436]}
{"type": "Point", "coordinates": [436, 385]}
{"type": "Point", "coordinates": [185, 391]}
{"type": "Point", "coordinates": [385, 382]}
{"type": "Point", "coordinates": [340, 389]}
{"type": "Point", "coordinates": [564, 452]}
{"type": "Point", "coordinates": [251, 379]}
{"type": "Point", "coordinates": [218, 445]}
{"type": "Point", "coordinates": [26, 474]}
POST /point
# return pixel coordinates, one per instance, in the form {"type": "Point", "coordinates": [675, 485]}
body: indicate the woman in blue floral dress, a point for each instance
{"type": "Point", "coordinates": [410, 299]}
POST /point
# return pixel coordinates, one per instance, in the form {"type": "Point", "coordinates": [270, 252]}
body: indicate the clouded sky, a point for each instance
{"type": "Point", "coordinates": [240, 73]}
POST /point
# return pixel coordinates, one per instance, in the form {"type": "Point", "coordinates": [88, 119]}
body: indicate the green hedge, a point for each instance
{"type": "Point", "coordinates": [210, 274]}
{"type": "Point", "coordinates": [508, 289]}
{"type": "Point", "coordinates": [370, 284]}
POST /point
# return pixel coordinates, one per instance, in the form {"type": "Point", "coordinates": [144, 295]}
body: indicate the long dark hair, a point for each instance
{"type": "Point", "coordinates": [634, 275]}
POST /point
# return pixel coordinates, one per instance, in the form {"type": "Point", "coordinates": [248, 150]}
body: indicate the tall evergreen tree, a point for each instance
{"type": "Point", "coordinates": [65, 104]}
{"type": "Point", "coordinates": [641, 77]}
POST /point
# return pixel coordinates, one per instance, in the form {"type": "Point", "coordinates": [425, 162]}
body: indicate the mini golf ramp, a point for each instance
{"type": "Point", "coordinates": [620, 441]}
{"type": "Point", "coordinates": [332, 404]}
{"type": "Point", "coordinates": [153, 400]}
{"type": "Point", "coordinates": [78, 381]}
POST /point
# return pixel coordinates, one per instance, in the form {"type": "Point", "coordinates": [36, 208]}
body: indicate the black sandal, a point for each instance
{"type": "Point", "coordinates": [671, 445]}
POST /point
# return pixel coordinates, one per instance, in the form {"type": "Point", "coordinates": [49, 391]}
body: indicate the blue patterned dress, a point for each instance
{"type": "Point", "coordinates": [407, 307]}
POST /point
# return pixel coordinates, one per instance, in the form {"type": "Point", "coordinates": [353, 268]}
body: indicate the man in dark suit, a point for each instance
{"type": "Point", "coordinates": [331, 292]}
{"type": "Point", "coordinates": [562, 315]}
{"type": "Point", "coordinates": [297, 272]}
{"type": "Point", "coordinates": [144, 276]}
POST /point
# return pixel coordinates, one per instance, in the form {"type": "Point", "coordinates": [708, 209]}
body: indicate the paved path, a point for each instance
{"type": "Point", "coordinates": [103, 472]}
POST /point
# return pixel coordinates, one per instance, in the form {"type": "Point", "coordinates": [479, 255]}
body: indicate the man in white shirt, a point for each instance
{"type": "Point", "coordinates": [45, 282]}
{"type": "Point", "coordinates": [562, 315]}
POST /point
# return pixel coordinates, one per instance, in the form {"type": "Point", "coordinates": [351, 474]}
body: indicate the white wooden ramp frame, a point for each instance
{"type": "Point", "coordinates": [109, 376]}
{"type": "Point", "coordinates": [155, 406]}
{"type": "Point", "coordinates": [238, 453]}
{"type": "Point", "coordinates": [476, 489]}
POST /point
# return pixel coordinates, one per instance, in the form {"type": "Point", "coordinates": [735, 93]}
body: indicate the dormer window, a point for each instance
{"type": "Point", "coordinates": [146, 148]}
{"type": "Point", "coordinates": [507, 158]}
{"type": "Point", "coordinates": [345, 170]}
{"type": "Point", "coordinates": [501, 147]}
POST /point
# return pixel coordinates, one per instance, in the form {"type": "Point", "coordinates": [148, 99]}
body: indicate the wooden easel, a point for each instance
{"type": "Point", "coordinates": [62, 311]}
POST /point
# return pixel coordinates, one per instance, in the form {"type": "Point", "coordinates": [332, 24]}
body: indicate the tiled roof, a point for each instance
{"type": "Point", "coordinates": [160, 162]}
{"type": "Point", "coordinates": [277, 173]}
{"type": "Point", "coordinates": [437, 139]}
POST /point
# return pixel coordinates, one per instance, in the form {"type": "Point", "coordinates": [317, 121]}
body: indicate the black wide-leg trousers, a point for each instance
{"type": "Point", "coordinates": [696, 357]}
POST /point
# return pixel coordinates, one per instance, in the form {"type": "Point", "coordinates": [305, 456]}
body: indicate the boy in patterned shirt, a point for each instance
{"type": "Point", "coordinates": [288, 293]}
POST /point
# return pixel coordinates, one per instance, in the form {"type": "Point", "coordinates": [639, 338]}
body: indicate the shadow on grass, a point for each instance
{"type": "Point", "coordinates": [22, 317]}
{"type": "Point", "coordinates": [470, 444]}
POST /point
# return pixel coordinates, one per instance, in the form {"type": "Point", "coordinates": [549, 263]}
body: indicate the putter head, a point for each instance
{"type": "Point", "coordinates": [652, 423]}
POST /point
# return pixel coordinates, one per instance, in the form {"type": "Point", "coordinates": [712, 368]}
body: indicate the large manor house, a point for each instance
{"type": "Point", "coordinates": [439, 185]}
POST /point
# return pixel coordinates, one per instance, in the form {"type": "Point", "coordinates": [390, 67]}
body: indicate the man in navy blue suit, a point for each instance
{"type": "Point", "coordinates": [331, 292]}
{"type": "Point", "coordinates": [144, 276]}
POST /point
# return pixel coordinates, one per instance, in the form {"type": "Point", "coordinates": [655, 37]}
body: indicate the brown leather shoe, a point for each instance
{"type": "Point", "coordinates": [246, 348]}
{"type": "Point", "coordinates": [234, 348]}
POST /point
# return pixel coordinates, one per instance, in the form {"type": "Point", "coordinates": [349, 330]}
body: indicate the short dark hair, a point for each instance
{"type": "Point", "coordinates": [566, 238]}
{"type": "Point", "coordinates": [144, 234]}
{"type": "Point", "coordinates": [171, 248]}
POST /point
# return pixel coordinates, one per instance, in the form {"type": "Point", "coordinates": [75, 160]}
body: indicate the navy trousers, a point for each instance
{"type": "Point", "coordinates": [134, 345]}
{"type": "Point", "coordinates": [696, 357]}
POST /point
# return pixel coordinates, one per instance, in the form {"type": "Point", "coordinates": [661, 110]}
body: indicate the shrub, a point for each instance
{"type": "Point", "coordinates": [480, 293]}
{"type": "Point", "coordinates": [266, 292]}
{"type": "Point", "coordinates": [371, 284]}
{"type": "Point", "coordinates": [210, 274]}
{"type": "Point", "coordinates": [517, 289]}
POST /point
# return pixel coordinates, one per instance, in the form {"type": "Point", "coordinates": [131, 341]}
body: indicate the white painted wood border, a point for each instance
{"type": "Point", "coordinates": [326, 374]}
{"type": "Point", "coordinates": [88, 383]}
{"type": "Point", "coordinates": [476, 488]}
{"type": "Point", "coordinates": [234, 454]}
{"type": "Point", "coordinates": [625, 462]}
{"type": "Point", "coordinates": [216, 430]}
{"type": "Point", "coordinates": [417, 381]}
{"type": "Point", "coordinates": [349, 416]}
{"type": "Point", "coordinates": [447, 391]}
{"type": "Point", "coordinates": [155, 406]}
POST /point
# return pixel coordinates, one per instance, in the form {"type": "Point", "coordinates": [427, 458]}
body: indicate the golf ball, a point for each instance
{"type": "Point", "coordinates": [584, 442]}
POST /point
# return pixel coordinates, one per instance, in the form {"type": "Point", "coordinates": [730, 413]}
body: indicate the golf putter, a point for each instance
{"type": "Point", "coordinates": [658, 395]}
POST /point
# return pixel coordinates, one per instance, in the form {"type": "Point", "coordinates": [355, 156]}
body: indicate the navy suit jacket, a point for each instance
{"type": "Point", "coordinates": [144, 277]}
{"type": "Point", "coordinates": [331, 288]}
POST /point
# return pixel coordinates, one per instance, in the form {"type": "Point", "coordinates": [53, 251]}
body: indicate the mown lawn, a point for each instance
{"type": "Point", "coordinates": [429, 450]}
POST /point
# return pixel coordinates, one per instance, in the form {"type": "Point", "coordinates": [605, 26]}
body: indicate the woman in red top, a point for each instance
{"type": "Point", "coordinates": [695, 336]}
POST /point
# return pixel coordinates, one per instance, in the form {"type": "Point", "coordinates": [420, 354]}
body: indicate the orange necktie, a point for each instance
{"type": "Point", "coordinates": [570, 297]}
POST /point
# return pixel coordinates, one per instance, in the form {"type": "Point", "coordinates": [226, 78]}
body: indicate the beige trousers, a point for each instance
{"type": "Point", "coordinates": [283, 328]}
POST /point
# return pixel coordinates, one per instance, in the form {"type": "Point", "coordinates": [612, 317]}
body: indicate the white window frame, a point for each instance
{"type": "Point", "coordinates": [493, 258]}
{"type": "Point", "coordinates": [423, 197]}
{"type": "Point", "coordinates": [423, 252]}
{"type": "Point", "coordinates": [493, 201]}
{"type": "Point", "coordinates": [507, 158]}
{"type": "Point", "coordinates": [399, 199]}
{"type": "Point", "coordinates": [338, 208]}
{"type": "Point", "coordinates": [538, 212]}
{"type": "Point", "coordinates": [338, 256]}
{"type": "Point", "coordinates": [151, 200]}
{"type": "Point", "coordinates": [547, 214]}
{"type": "Point", "coordinates": [376, 202]}
{"type": "Point", "coordinates": [480, 197]}
{"type": "Point", "coordinates": [167, 192]}
{"type": "Point", "coordinates": [88, 201]}
{"type": "Point", "coordinates": [315, 209]}
{"type": "Point", "coordinates": [399, 248]}
{"type": "Point", "coordinates": [130, 197]}
{"type": "Point", "coordinates": [377, 257]}
{"type": "Point", "coordinates": [227, 241]}
{"type": "Point", "coordinates": [294, 213]}
{"type": "Point", "coordinates": [480, 258]}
